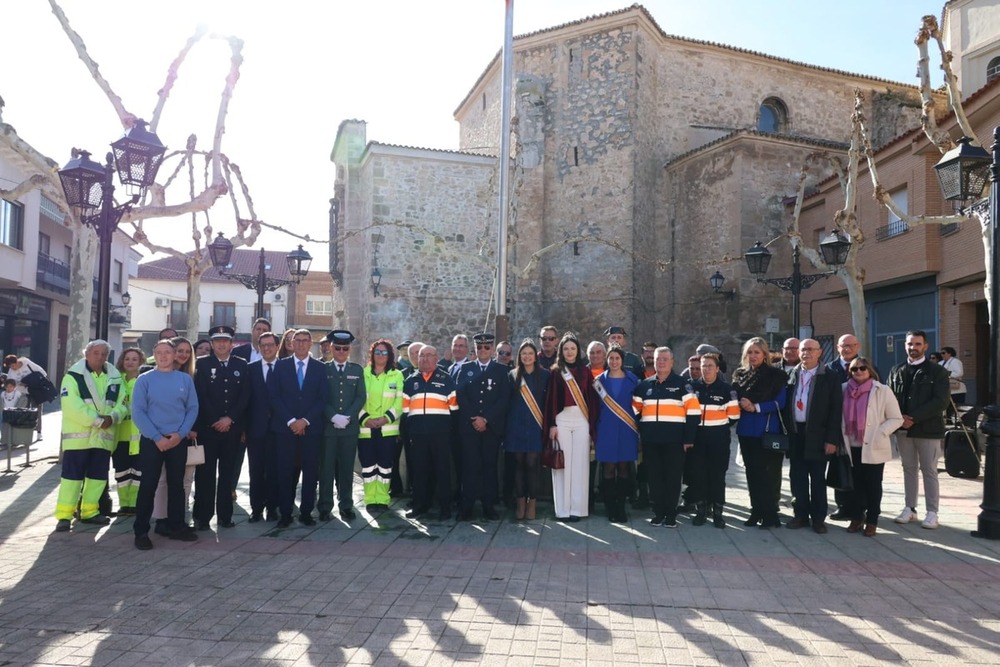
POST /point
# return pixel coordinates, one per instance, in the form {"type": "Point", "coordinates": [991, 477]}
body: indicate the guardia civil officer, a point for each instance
{"type": "Point", "coordinates": [482, 411]}
{"type": "Point", "coordinates": [634, 363]}
{"type": "Point", "coordinates": [340, 442]}
{"type": "Point", "coordinates": [222, 382]}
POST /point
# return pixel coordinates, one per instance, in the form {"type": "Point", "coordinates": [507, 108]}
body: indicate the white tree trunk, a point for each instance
{"type": "Point", "coordinates": [86, 247]}
{"type": "Point", "coordinates": [194, 300]}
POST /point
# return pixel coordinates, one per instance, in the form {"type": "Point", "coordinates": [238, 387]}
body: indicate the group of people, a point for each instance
{"type": "Point", "coordinates": [603, 420]}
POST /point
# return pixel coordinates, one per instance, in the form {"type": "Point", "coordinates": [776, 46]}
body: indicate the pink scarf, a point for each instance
{"type": "Point", "coordinates": [856, 408]}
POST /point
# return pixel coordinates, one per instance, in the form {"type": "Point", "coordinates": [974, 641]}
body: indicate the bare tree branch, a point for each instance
{"type": "Point", "coordinates": [24, 187]}
{"type": "Point", "coordinates": [172, 71]}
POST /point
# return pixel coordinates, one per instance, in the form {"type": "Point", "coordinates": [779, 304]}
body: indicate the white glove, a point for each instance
{"type": "Point", "coordinates": [340, 421]}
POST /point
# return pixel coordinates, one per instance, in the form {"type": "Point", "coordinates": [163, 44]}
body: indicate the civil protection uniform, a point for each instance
{"type": "Point", "coordinates": [340, 445]}
{"type": "Point", "coordinates": [484, 392]}
{"type": "Point", "coordinates": [669, 413]}
{"type": "Point", "coordinates": [710, 455]}
{"type": "Point", "coordinates": [126, 454]}
{"type": "Point", "coordinates": [87, 398]}
{"type": "Point", "coordinates": [428, 403]}
{"type": "Point", "coordinates": [223, 391]}
{"type": "Point", "coordinates": [377, 447]}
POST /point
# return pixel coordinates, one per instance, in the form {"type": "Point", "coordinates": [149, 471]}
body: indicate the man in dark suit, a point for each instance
{"type": "Point", "coordinates": [259, 438]}
{"type": "Point", "coordinates": [223, 386]}
{"type": "Point", "coordinates": [251, 351]}
{"type": "Point", "coordinates": [340, 443]}
{"type": "Point", "coordinates": [298, 390]}
{"type": "Point", "coordinates": [460, 357]}
{"type": "Point", "coordinates": [482, 410]}
{"type": "Point", "coordinates": [812, 416]}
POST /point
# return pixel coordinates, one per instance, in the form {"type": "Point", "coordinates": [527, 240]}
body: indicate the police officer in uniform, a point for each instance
{"type": "Point", "coordinates": [222, 382]}
{"type": "Point", "coordinates": [633, 362]}
{"type": "Point", "coordinates": [482, 394]}
{"type": "Point", "coordinates": [340, 442]}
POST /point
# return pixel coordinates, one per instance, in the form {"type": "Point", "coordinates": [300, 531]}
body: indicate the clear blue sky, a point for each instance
{"type": "Point", "coordinates": [401, 65]}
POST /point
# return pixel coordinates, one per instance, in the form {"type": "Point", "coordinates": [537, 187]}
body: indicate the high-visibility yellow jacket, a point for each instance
{"type": "Point", "coordinates": [127, 430]}
{"type": "Point", "coordinates": [385, 399]}
{"type": "Point", "coordinates": [87, 398]}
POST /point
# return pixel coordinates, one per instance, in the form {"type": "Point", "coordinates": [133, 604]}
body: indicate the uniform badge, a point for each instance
{"type": "Point", "coordinates": [470, 373]}
{"type": "Point", "coordinates": [236, 374]}
{"type": "Point", "coordinates": [649, 392]}
{"type": "Point", "coordinates": [212, 371]}
{"type": "Point", "coordinates": [392, 386]}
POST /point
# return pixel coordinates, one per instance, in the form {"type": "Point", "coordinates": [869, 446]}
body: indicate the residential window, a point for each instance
{"type": "Point", "coordinates": [44, 244]}
{"type": "Point", "coordinates": [773, 116]}
{"type": "Point", "coordinates": [895, 226]}
{"type": "Point", "coordinates": [178, 315]}
{"type": "Point", "coordinates": [67, 254]}
{"type": "Point", "coordinates": [993, 69]}
{"type": "Point", "coordinates": [116, 277]}
{"type": "Point", "coordinates": [223, 313]}
{"type": "Point", "coordinates": [317, 304]}
{"type": "Point", "coordinates": [12, 224]}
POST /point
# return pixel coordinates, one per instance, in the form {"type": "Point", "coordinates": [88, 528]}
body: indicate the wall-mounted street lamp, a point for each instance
{"type": "Point", "coordinates": [717, 281]}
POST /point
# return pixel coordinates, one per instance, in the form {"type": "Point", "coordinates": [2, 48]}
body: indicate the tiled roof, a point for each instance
{"type": "Point", "coordinates": [686, 40]}
{"type": "Point", "coordinates": [434, 150]}
{"type": "Point", "coordinates": [821, 143]}
{"type": "Point", "coordinates": [244, 260]}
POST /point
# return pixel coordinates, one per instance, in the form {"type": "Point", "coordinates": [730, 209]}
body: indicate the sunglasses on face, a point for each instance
{"type": "Point", "coordinates": [503, 354]}
{"type": "Point", "coordinates": [381, 353]}
{"type": "Point", "coordinates": [859, 369]}
{"type": "Point", "coordinates": [342, 348]}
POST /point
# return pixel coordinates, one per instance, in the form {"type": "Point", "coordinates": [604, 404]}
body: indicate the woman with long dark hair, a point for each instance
{"type": "Point", "coordinates": [617, 442]}
{"type": "Point", "coordinates": [762, 392]}
{"type": "Point", "coordinates": [523, 436]}
{"type": "Point", "coordinates": [571, 409]}
{"type": "Point", "coordinates": [380, 423]}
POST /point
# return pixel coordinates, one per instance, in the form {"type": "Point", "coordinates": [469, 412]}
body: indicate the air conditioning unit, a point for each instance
{"type": "Point", "coordinates": [161, 302]}
{"type": "Point", "coordinates": [279, 297]}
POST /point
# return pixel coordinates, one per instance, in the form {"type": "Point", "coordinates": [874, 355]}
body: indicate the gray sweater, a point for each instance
{"type": "Point", "coordinates": [164, 402]}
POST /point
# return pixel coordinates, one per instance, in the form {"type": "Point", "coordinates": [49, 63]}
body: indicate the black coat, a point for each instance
{"type": "Point", "coordinates": [824, 413]}
{"type": "Point", "coordinates": [924, 400]}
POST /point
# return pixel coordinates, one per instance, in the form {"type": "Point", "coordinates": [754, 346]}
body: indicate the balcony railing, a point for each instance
{"type": "Point", "coordinates": [949, 229]}
{"type": "Point", "coordinates": [52, 274]}
{"type": "Point", "coordinates": [894, 228]}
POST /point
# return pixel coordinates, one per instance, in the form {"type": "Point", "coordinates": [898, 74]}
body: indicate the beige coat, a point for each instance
{"type": "Point", "coordinates": [882, 420]}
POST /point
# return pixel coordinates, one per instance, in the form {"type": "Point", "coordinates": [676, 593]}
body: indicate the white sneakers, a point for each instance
{"type": "Point", "coordinates": [909, 516]}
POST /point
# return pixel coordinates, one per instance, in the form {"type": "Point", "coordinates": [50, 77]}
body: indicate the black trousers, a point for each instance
{"type": "Point", "coordinates": [151, 461]}
{"type": "Point", "coordinates": [763, 469]}
{"type": "Point", "coordinates": [263, 473]}
{"type": "Point", "coordinates": [480, 452]}
{"type": "Point", "coordinates": [431, 454]}
{"type": "Point", "coordinates": [709, 463]}
{"type": "Point", "coordinates": [866, 499]}
{"type": "Point", "coordinates": [213, 480]}
{"type": "Point", "coordinates": [665, 465]}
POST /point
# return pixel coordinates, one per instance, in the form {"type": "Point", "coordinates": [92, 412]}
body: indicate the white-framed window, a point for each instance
{"type": "Point", "coordinates": [993, 69]}
{"type": "Point", "coordinates": [901, 200]}
{"type": "Point", "coordinates": [319, 304]}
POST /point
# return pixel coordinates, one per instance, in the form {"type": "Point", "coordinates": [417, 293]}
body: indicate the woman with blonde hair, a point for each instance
{"type": "Point", "coordinates": [762, 393]}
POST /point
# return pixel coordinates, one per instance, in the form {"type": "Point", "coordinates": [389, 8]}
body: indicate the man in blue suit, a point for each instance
{"type": "Point", "coordinates": [298, 390]}
{"type": "Point", "coordinates": [260, 439]}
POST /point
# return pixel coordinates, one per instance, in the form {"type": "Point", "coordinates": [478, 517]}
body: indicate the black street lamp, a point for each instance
{"type": "Point", "coordinates": [963, 171]}
{"type": "Point", "coordinates": [90, 188]}
{"type": "Point", "coordinates": [834, 249]}
{"type": "Point", "coordinates": [221, 251]}
{"type": "Point", "coordinates": [717, 280]}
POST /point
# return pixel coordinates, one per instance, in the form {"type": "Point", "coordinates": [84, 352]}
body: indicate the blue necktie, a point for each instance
{"type": "Point", "coordinates": [301, 373]}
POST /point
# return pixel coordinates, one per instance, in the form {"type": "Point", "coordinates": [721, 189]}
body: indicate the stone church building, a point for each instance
{"type": "Point", "coordinates": [642, 164]}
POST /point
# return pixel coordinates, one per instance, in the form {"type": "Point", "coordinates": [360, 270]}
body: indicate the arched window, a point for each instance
{"type": "Point", "coordinates": [773, 116]}
{"type": "Point", "coordinates": [993, 69]}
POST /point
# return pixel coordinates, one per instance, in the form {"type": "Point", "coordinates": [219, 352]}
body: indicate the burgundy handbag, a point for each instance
{"type": "Point", "coordinates": [552, 456]}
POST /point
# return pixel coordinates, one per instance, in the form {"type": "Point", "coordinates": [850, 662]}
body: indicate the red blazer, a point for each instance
{"type": "Point", "coordinates": [555, 398]}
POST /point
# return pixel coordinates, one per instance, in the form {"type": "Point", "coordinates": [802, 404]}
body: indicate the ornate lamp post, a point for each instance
{"type": "Point", "coordinates": [90, 188]}
{"type": "Point", "coordinates": [717, 280]}
{"type": "Point", "coordinates": [221, 251]}
{"type": "Point", "coordinates": [834, 249]}
{"type": "Point", "coordinates": [963, 172]}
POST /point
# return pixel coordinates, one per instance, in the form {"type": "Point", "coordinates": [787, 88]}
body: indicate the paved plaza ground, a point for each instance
{"type": "Point", "coordinates": [388, 591]}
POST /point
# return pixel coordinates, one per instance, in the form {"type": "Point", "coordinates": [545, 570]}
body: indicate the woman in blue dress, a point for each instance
{"type": "Point", "coordinates": [523, 436]}
{"type": "Point", "coordinates": [617, 440]}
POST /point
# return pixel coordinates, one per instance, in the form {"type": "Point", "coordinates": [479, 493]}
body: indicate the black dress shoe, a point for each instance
{"type": "Point", "coordinates": [284, 522]}
{"type": "Point", "coordinates": [143, 543]}
{"type": "Point", "coordinates": [465, 515]}
{"type": "Point", "coordinates": [202, 525]}
{"type": "Point", "coordinates": [229, 523]}
{"type": "Point", "coordinates": [162, 528]}
{"type": "Point", "coordinates": [184, 535]}
{"type": "Point", "coordinates": [574, 518]}
{"type": "Point", "coordinates": [255, 517]}
{"type": "Point", "coordinates": [271, 515]}
{"type": "Point", "coordinates": [773, 521]}
{"type": "Point", "coordinates": [490, 514]}
{"type": "Point", "coordinates": [416, 513]}
{"type": "Point", "coordinates": [753, 520]}
{"type": "Point", "coordinates": [348, 514]}
{"type": "Point", "coordinates": [324, 516]}
{"type": "Point", "coordinates": [840, 515]}
{"type": "Point", "coordinates": [307, 520]}
{"type": "Point", "coordinates": [97, 520]}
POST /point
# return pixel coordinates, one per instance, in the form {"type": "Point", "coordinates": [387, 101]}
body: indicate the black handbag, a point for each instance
{"type": "Point", "coordinates": [775, 442]}
{"type": "Point", "coordinates": [838, 472]}
{"type": "Point", "coordinates": [40, 388]}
